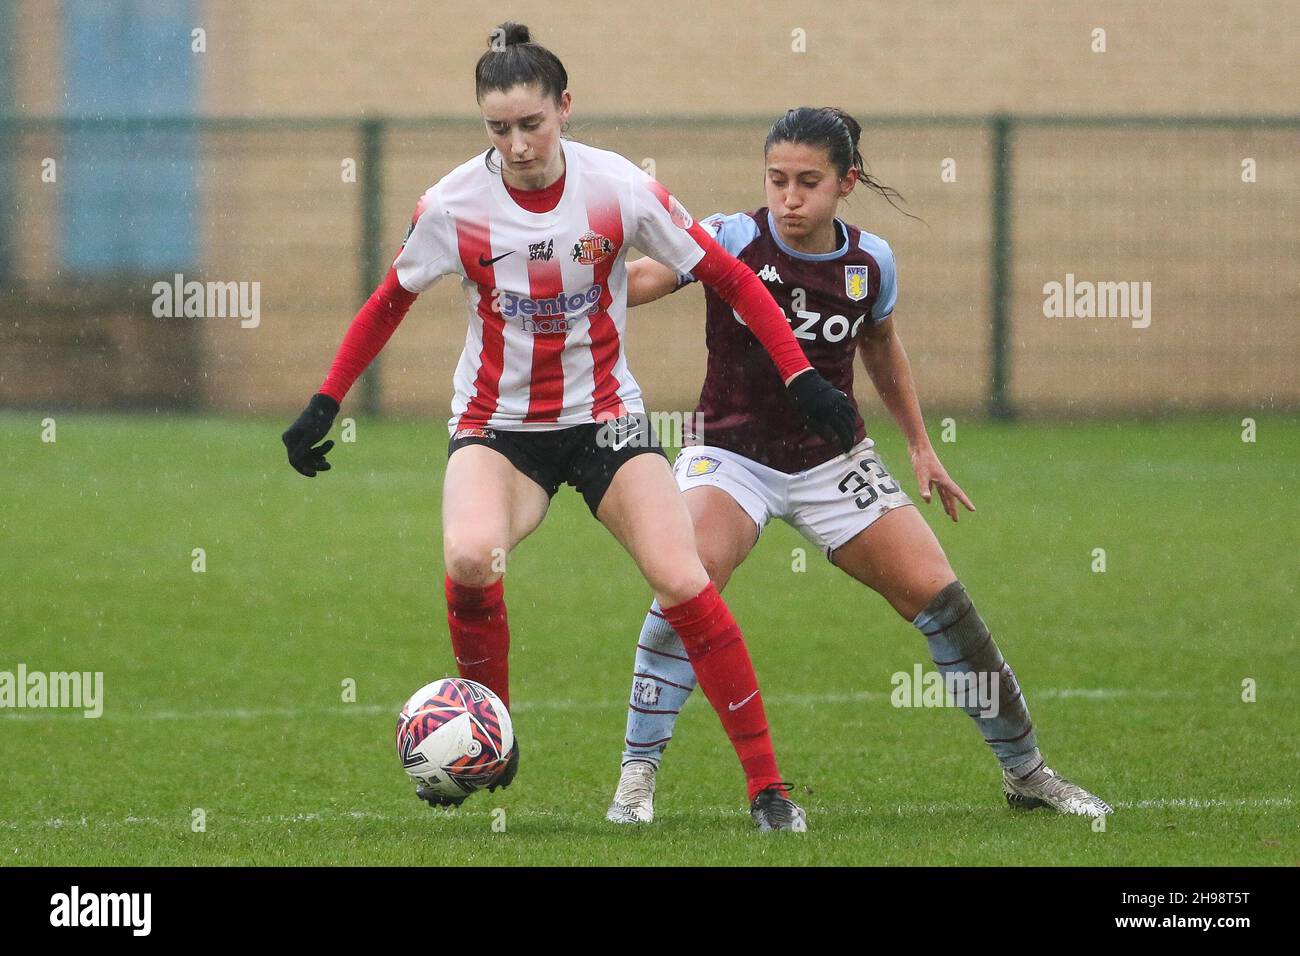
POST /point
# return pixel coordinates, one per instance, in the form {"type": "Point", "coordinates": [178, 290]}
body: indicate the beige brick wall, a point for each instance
{"type": "Point", "coordinates": [1168, 208]}
{"type": "Point", "coordinates": [1165, 207]}
{"type": "Point", "coordinates": [415, 57]}
{"type": "Point", "coordinates": [35, 54]}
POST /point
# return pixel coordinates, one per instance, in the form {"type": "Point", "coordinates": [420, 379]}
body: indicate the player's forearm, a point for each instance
{"type": "Point", "coordinates": [366, 336]}
{"type": "Point", "coordinates": [744, 292]}
{"type": "Point", "coordinates": [647, 281]}
{"type": "Point", "coordinates": [891, 374]}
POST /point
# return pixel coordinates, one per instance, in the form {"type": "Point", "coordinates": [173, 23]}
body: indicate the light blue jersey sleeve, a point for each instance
{"type": "Point", "coordinates": [733, 233]}
{"type": "Point", "coordinates": [879, 250]}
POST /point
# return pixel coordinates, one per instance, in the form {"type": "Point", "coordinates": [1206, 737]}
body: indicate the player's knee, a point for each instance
{"type": "Point", "coordinates": [679, 585]}
{"type": "Point", "coordinates": [939, 580]}
{"type": "Point", "coordinates": [473, 560]}
{"type": "Point", "coordinates": [718, 569]}
{"type": "Point", "coordinates": [934, 594]}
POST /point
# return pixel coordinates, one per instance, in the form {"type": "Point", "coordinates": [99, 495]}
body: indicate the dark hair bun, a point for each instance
{"type": "Point", "coordinates": [855, 131]}
{"type": "Point", "coordinates": [508, 34]}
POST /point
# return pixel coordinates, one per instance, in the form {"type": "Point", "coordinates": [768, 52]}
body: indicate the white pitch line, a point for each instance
{"type": "Point", "coordinates": [181, 821]}
{"type": "Point", "coordinates": [1181, 803]}
{"type": "Point", "coordinates": [562, 704]}
{"type": "Point", "coordinates": [1193, 803]}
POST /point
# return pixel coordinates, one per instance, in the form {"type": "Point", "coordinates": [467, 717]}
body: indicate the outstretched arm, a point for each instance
{"type": "Point", "coordinates": [426, 254]}
{"type": "Point", "coordinates": [369, 332]}
{"type": "Point", "coordinates": [890, 372]}
{"type": "Point", "coordinates": [370, 329]}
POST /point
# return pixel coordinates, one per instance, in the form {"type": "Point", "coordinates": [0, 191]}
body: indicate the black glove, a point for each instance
{"type": "Point", "coordinates": [830, 413]}
{"type": "Point", "coordinates": [312, 425]}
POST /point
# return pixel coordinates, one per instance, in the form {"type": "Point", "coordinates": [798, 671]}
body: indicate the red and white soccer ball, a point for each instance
{"type": "Point", "coordinates": [453, 736]}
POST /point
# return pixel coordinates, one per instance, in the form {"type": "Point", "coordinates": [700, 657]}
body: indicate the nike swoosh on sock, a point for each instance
{"type": "Point", "coordinates": [743, 702]}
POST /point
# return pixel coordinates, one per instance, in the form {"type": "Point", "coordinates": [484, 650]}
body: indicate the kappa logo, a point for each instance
{"type": "Point", "coordinates": [702, 465]}
{"type": "Point", "coordinates": [855, 282]}
{"type": "Point", "coordinates": [769, 274]}
{"type": "Point", "coordinates": [591, 248]}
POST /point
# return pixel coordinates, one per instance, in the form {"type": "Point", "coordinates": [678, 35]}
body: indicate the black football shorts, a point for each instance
{"type": "Point", "coordinates": [584, 456]}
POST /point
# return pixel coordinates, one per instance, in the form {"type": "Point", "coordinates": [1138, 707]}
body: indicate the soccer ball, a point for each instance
{"type": "Point", "coordinates": [453, 736]}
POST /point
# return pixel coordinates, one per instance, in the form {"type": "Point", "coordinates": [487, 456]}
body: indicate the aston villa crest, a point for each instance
{"type": "Point", "coordinates": [855, 282]}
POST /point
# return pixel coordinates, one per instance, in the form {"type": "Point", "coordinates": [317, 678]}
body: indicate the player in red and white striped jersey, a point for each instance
{"type": "Point", "coordinates": [546, 291]}
{"type": "Point", "coordinates": [537, 229]}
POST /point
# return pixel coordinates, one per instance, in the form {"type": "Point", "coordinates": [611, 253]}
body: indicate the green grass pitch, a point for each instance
{"type": "Point", "coordinates": [223, 689]}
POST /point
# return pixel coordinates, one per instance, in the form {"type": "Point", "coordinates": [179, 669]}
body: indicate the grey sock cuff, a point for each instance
{"type": "Point", "coordinates": [1024, 764]}
{"type": "Point", "coordinates": [944, 609]}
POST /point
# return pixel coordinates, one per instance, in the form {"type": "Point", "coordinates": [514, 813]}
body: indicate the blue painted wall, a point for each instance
{"type": "Point", "coordinates": [129, 199]}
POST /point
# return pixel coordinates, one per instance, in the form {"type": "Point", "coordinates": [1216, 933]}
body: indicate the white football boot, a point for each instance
{"type": "Point", "coordinates": [1046, 788]}
{"type": "Point", "coordinates": [634, 800]}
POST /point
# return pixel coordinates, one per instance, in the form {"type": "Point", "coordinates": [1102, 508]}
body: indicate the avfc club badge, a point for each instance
{"type": "Point", "coordinates": [855, 282]}
{"type": "Point", "coordinates": [590, 248]}
{"type": "Point", "coordinates": [702, 465]}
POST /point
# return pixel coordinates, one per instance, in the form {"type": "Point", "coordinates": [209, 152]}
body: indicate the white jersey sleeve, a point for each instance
{"type": "Point", "coordinates": [661, 225]}
{"type": "Point", "coordinates": [429, 252]}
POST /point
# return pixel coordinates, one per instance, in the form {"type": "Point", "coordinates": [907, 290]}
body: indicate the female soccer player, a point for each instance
{"type": "Point", "coordinates": [756, 460]}
{"type": "Point", "coordinates": [538, 228]}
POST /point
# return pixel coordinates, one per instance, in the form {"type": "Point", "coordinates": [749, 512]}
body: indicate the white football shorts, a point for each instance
{"type": "Point", "coordinates": [828, 504]}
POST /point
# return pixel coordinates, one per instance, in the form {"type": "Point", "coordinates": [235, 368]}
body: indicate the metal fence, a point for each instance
{"type": "Point", "coordinates": [1198, 212]}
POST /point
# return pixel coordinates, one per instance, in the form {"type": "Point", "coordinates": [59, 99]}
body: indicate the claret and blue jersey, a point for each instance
{"type": "Point", "coordinates": [829, 299]}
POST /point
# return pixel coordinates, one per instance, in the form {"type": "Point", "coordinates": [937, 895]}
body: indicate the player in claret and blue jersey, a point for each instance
{"type": "Point", "coordinates": [755, 459]}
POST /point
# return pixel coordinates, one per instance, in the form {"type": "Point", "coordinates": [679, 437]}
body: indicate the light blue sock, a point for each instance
{"type": "Point", "coordinates": [962, 647]}
{"type": "Point", "coordinates": [661, 682]}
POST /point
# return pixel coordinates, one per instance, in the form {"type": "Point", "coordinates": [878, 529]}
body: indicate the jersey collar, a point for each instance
{"type": "Point", "coordinates": [571, 178]}
{"type": "Point", "coordinates": [808, 256]}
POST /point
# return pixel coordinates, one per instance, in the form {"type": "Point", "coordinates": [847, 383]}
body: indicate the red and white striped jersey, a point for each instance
{"type": "Point", "coordinates": [546, 293]}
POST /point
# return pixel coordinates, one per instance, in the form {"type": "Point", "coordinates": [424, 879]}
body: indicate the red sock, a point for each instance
{"type": "Point", "coordinates": [480, 635]}
{"type": "Point", "coordinates": [717, 651]}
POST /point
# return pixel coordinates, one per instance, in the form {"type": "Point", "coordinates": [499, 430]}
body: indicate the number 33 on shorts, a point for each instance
{"type": "Point", "coordinates": [868, 482]}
